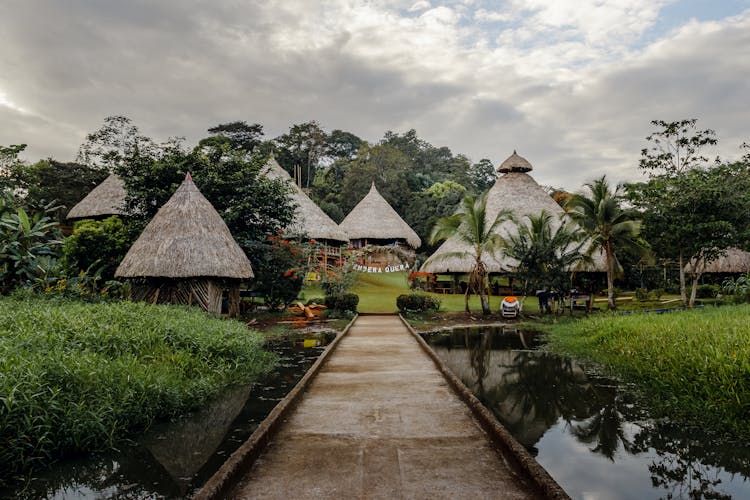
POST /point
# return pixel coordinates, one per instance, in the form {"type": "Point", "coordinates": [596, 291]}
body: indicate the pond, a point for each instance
{"type": "Point", "coordinates": [589, 432]}
{"type": "Point", "coordinates": [174, 459]}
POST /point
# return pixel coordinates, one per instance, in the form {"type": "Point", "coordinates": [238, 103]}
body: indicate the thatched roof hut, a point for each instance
{"type": "Point", "coordinates": [373, 219]}
{"type": "Point", "coordinates": [516, 191]}
{"type": "Point", "coordinates": [186, 253]}
{"type": "Point", "coordinates": [310, 220]}
{"type": "Point", "coordinates": [734, 261]}
{"type": "Point", "coordinates": [108, 198]}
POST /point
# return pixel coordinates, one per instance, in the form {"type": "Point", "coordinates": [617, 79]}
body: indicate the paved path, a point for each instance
{"type": "Point", "coordinates": [380, 421]}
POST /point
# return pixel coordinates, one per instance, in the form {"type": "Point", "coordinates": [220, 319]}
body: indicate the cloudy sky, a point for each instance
{"type": "Point", "coordinates": [570, 84]}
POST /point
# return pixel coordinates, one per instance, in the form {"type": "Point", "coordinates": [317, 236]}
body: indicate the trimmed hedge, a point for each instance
{"type": "Point", "coordinates": [346, 302]}
{"type": "Point", "coordinates": [417, 302]}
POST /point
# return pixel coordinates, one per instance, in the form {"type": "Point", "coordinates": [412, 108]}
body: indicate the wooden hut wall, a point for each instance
{"type": "Point", "coordinates": [206, 293]}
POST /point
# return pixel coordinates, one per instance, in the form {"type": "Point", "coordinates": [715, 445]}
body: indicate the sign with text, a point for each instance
{"type": "Point", "coordinates": [393, 268]}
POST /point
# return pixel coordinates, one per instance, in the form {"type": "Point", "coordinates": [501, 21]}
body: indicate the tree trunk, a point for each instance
{"type": "Point", "coordinates": [694, 288]}
{"type": "Point", "coordinates": [466, 298]}
{"type": "Point", "coordinates": [610, 277]}
{"type": "Point", "coordinates": [484, 299]}
{"type": "Point", "coordinates": [683, 294]}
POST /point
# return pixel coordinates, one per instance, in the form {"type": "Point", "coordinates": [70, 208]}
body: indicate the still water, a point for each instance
{"type": "Point", "coordinates": [173, 459]}
{"type": "Point", "coordinates": [589, 432]}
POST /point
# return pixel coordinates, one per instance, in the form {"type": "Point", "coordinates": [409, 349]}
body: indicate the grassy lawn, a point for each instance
{"type": "Point", "coordinates": [77, 376]}
{"type": "Point", "coordinates": [692, 365]}
{"type": "Point", "coordinates": [378, 292]}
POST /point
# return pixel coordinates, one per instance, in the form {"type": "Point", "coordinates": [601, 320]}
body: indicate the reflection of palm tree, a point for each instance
{"type": "Point", "coordinates": [546, 386]}
{"type": "Point", "coordinates": [479, 357]}
{"type": "Point", "coordinates": [605, 427]}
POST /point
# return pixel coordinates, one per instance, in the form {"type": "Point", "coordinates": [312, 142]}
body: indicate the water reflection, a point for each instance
{"type": "Point", "coordinates": [174, 458]}
{"type": "Point", "coordinates": [589, 431]}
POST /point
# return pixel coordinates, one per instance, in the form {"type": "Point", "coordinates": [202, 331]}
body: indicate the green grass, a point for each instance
{"type": "Point", "coordinates": [76, 377]}
{"type": "Point", "coordinates": [693, 365]}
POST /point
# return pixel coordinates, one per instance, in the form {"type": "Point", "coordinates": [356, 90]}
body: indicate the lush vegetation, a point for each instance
{"type": "Point", "coordinates": [77, 376]}
{"type": "Point", "coordinates": [691, 209]}
{"type": "Point", "coordinates": [693, 366]}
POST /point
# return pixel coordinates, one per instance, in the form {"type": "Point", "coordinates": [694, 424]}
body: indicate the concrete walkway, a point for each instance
{"type": "Point", "coordinates": [380, 421]}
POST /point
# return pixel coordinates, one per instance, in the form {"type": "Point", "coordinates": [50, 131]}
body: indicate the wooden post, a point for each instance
{"type": "Point", "coordinates": [234, 300]}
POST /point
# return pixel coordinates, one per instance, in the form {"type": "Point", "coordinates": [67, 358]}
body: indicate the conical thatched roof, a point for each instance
{"type": "Point", "coordinates": [734, 260]}
{"type": "Point", "coordinates": [108, 198]}
{"type": "Point", "coordinates": [518, 192]}
{"type": "Point", "coordinates": [515, 163]}
{"type": "Point", "coordinates": [374, 218]}
{"type": "Point", "coordinates": [186, 239]}
{"type": "Point", "coordinates": [309, 220]}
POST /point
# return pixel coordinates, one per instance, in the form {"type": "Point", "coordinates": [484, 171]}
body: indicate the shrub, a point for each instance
{"type": "Point", "coordinates": [707, 291]}
{"type": "Point", "coordinates": [417, 302]}
{"type": "Point", "coordinates": [641, 294]}
{"type": "Point", "coordinates": [25, 240]}
{"type": "Point", "coordinates": [739, 288]}
{"type": "Point", "coordinates": [279, 265]}
{"type": "Point", "coordinates": [343, 302]}
{"type": "Point", "coordinates": [98, 246]}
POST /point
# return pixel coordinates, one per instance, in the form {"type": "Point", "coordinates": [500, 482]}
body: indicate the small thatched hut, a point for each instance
{"type": "Point", "coordinates": [374, 225]}
{"type": "Point", "coordinates": [734, 261]}
{"type": "Point", "coordinates": [187, 255]}
{"type": "Point", "coordinates": [310, 220]}
{"type": "Point", "coordinates": [108, 198]}
{"type": "Point", "coordinates": [517, 191]}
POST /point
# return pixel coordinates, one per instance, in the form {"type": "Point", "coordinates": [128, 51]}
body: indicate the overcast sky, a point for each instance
{"type": "Point", "coordinates": [571, 84]}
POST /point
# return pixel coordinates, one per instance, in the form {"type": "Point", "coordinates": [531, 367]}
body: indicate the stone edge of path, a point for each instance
{"type": "Point", "coordinates": [242, 459]}
{"type": "Point", "coordinates": [524, 461]}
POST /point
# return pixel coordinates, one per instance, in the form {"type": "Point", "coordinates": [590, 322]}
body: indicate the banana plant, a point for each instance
{"type": "Point", "coordinates": [23, 240]}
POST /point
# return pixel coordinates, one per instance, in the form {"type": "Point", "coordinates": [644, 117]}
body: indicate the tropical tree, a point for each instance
{"type": "Point", "coordinates": [692, 211]}
{"type": "Point", "coordinates": [471, 225]}
{"type": "Point", "coordinates": [609, 227]}
{"type": "Point", "coordinates": [546, 252]}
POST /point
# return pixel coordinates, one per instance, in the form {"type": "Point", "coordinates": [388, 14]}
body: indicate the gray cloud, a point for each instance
{"type": "Point", "coordinates": [177, 68]}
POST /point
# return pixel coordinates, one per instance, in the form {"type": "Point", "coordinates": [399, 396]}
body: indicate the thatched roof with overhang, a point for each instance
{"type": "Point", "coordinates": [309, 220]}
{"type": "Point", "coordinates": [375, 219]}
{"type": "Point", "coordinates": [518, 192]}
{"type": "Point", "coordinates": [108, 198]}
{"type": "Point", "coordinates": [187, 238]}
{"type": "Point", "coordinates": [733, 261]}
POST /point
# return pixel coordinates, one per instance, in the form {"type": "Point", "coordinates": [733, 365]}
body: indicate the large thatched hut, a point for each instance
{"type": "Point", "coordinates": [310, 220]}
{"type": "Point", "coordinates": [186, 255]}
{"type": "Point", "coordinates": [516, 191]}
{"type": "Point", "coordinates": [108, 198]}
{"type": "Point", "coordinates": [374, 225]}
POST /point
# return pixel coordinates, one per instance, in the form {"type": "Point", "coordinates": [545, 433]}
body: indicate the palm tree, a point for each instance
{"type": "Point", "coordinates": [545, 254]}
{"type": "Point", "coordinates": [471, 226]}
{"type": "Point", "coordinates": [608, 226]}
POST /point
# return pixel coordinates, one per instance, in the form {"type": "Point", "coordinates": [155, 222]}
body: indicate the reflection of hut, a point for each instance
{"type": "Point", "coordinates": [310, 221]}
{"type": "Point", "coordinates": [108, 198]}
{"type": "Point", "coordinates": [734, 261]}
{"type": "Point", "coordinates": [187, 255]}
{"type": "Point", "coordinates": [184, 447]}
{"type": "Point", "coordinates": [374, 222]}
{"type": "Point", "coordinates": [516, 191]}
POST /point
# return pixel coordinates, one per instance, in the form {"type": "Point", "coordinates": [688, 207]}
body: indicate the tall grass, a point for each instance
{"type": "Point", "coordinates": [694, 365]}
{"type": "Point", "coordinates": [77, 376]}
